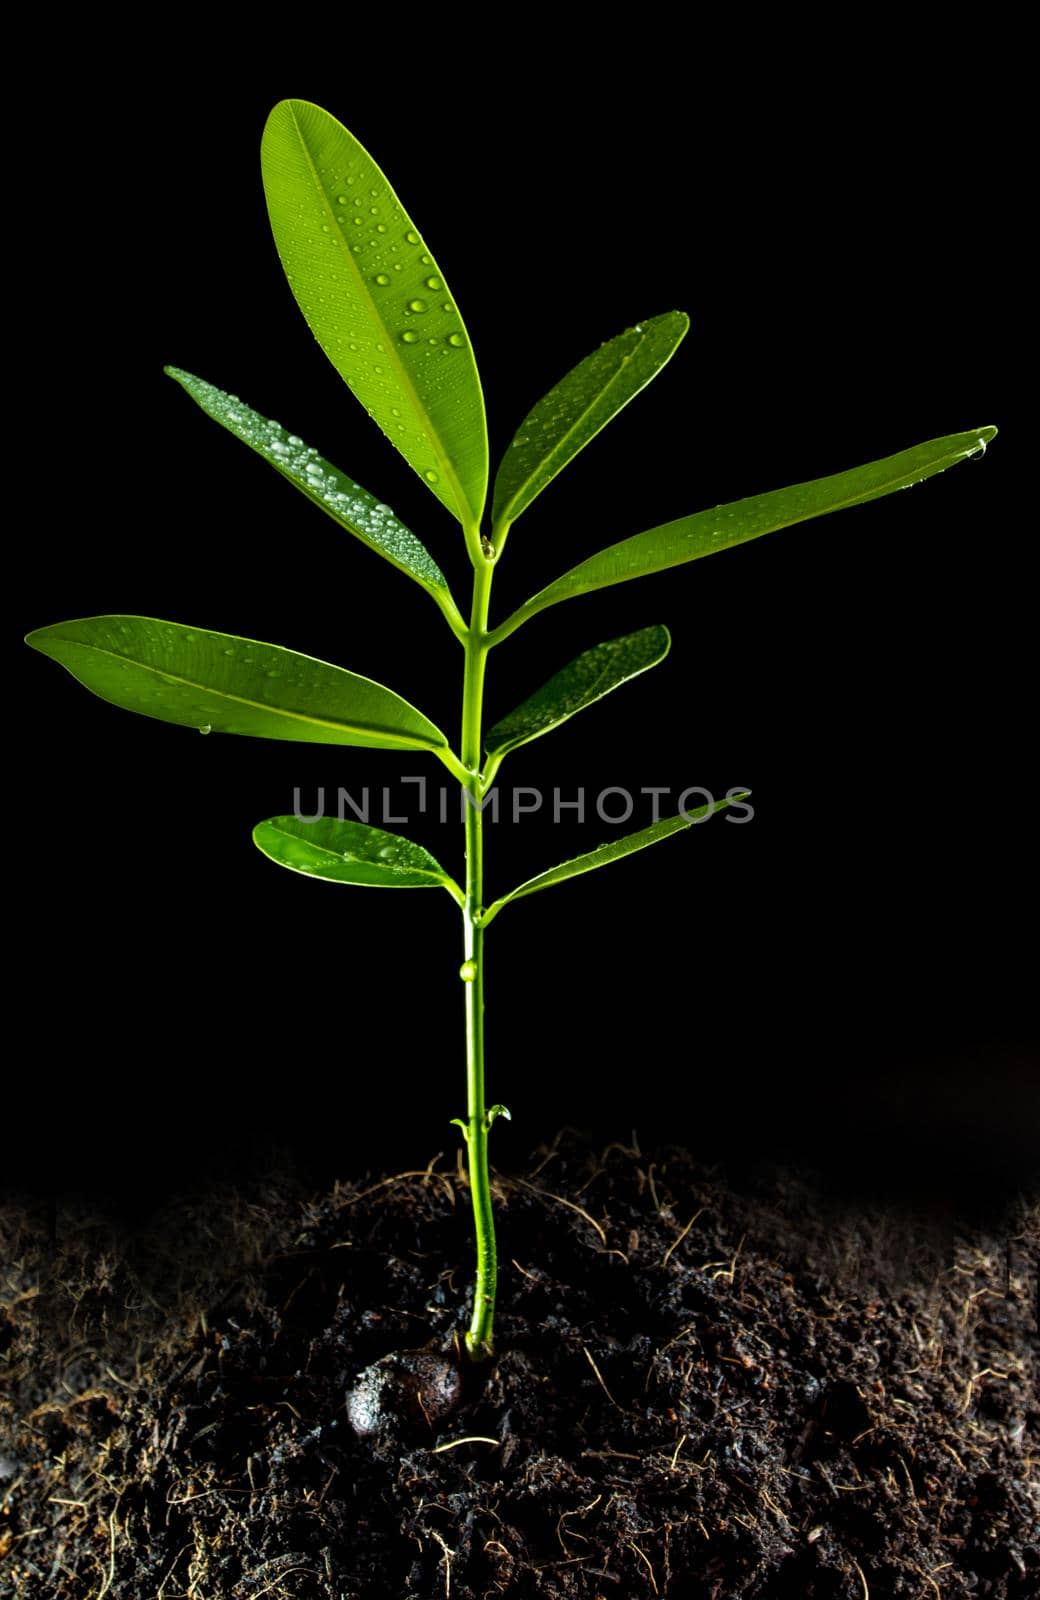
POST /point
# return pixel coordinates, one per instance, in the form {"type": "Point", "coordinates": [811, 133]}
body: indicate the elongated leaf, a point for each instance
{"type": "Point", "coordinates": [376, 300]}
{"type": "Point", "coordinates": [344, 500]}
{"type": "Point", "coordinates": [582, 403]}
{"type": "Point", "coordinates": [708, 531]}
{"type": "Point", "coordinates": [615, 851]}
{"type": "Point", "coordinates": [586, 679]}
{"type": "Point", "coordinates": [351, 852]}
{"type": "Point", "coordinates": [216, 681]}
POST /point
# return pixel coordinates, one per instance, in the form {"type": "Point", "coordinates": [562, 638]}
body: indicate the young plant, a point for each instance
{"type": "Point", "coordinates": [377, 302]}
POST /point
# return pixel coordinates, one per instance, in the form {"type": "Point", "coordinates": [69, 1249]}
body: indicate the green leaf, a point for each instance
{"type": "Point", "coordinates": [586, 679]}
{"type": "Point", "coordinates": [344, 500]}
{"type": "Point", "coordinates": [582, 403]}
{"type": "Point", "coordinates": [351, 852]}
{"type": "Point", "coordinates": [376, 300]}
{"type": "Point", "coordinates": [614, 851]}
{"type": "Point", "coordinates": [219, 682]}
{"type": "Point", "coordinates": [706, 532]}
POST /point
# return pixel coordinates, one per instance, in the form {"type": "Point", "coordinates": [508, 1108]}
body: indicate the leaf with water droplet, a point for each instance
{"type": "Point", "coordinates": [367, 518]}
{"type": "Point", "coordinates": [705, 532]}
{"type": "Point", "coordinates": [580, 405]}
{"type": "Point", "coordinates": [351, 852]}
{"type": "Point", "coordinates": [197, 678]}
{"type": "Point", "coordinates": [301, 145]}
{"type": "Point", "coordinates": [585, 680]}
{"type": "Point", "coordinates": [615, 851]}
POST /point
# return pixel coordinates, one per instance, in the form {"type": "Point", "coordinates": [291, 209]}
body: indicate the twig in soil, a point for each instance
{"type": "Point", "coordinates": [400, 1177]}
{"type": "Point", "coordinates": [544, 1194]}
{"type": "Point", "coordinates": [646, 1560]}
{"type": "Point", "coordinates": [862, 1579]}
{"type": "Point", "coordinates": [448, 1557]}
{"type": "Point", "coordinates": [987, 1372]}
{"type": "Point", "coordinates": [677, 1242]}
{"type": "Point", "coordinates": [730, 1271]}
{"type": "Point", "coordinates": [599, 1376]}
{"type": "Point", "coordinates": [471, 1438]}
{"type": "Point", "coordinates": [675, 1453]}
{"type": "Point", "coordinates": [107, 1581]}
{"type": "Point", "coordinates": [580, 1511]}
{"type": "Point", "coordinates": [169, 1571]}
{"type": "Point", "coordinates": [928, 1579]}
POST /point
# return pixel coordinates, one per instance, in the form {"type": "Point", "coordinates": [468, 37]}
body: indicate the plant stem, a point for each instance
{"type": "Point", "coordinates": [478, 1339]}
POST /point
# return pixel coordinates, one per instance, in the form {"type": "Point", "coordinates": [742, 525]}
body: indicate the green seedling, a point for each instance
{"type": "Point", "coordinates": [378, 304]}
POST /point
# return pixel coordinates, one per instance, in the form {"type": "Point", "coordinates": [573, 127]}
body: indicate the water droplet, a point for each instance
{"type": "Point", "coordinates": [373, 211]}
{"type": "Point", "coordinates": [417, 306]}
{"type": "Point", "coordinates": [341, 199]}
{"type": "Point", "coordinates": [358, 221]}
{"type": "Point", "coordinates": [229, 652]}
{"type": "Point", "coordinates": [380, 227]}
{"type": "Point", "coordinates": [434, 283]}
{"type": "Point", "coordinates": [397, 266]}
{"type": "Point", "coordinates": [382, 278]}
{"type": "Point", "coordinates": [468, 971]}
{"type": "Point", "coordinates": [394, 411]}
{"type": "Point", "coordinates": [409, 338]}
{"type": "Point", "coordinates": [411, 236]}
{"type": "Point", "coordinates": [446, 305]}
{"type": "Point", "coordinates": [294, 438]}
{"type": "Point", "coordinates": [456, 340]}
{"type": "Point", "coordinates": [325, 228]}
{"type": "Point", "coordinates": [431, 476]}
{"type": "Point", "coordinates": [207, 727]}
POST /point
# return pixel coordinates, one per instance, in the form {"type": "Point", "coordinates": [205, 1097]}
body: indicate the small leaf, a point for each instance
{"type": "Point", "coordinates": [587, 678]}
{"type": "Point", "coordinates": [581, 404]}
{"type": "Point", "coordinates": [614, 851]}
{"type": "Point", "coordinates": [376, 300]}
{"type": "Point", "coordinates": [351, 852]}
{"type": "Point", "coordinates": [219, 682]}
{"type": "Point", "coordinates": [344, 500]}
{"type": "Point", "coordinates": [708, 531]}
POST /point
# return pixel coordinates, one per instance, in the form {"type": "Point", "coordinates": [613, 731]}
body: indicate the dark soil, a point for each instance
{"type": "Point", "coordinates": [699, 1392]}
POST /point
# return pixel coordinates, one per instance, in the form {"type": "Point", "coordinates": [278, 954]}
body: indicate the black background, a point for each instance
{"type": "Point", "coordinates": [842, 980]}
